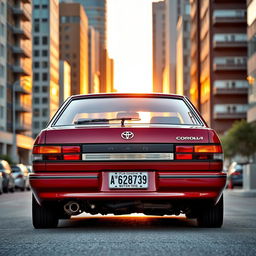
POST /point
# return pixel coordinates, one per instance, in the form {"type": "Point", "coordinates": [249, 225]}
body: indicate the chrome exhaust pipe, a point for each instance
{"type": "Point", "coordinates": [72, 208]}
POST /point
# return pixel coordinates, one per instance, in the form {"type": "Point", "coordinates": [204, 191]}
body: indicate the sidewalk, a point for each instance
{"type": "Point", "coordinates": [241, 192]}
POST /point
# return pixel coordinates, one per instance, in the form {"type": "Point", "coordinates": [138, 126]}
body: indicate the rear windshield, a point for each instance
{"type": "Point", "coordinates": [98, 111]}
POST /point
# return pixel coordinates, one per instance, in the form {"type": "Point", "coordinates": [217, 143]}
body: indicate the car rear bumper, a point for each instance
{"type": "Point", "coordinates": [94, 185]}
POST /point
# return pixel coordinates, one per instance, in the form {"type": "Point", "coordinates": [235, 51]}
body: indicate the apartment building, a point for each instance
{"type": "Point", "coordinates": [15, 80]}
{"type": "Point", "coordinates": [158, 33]}
{"type": "Point", "coordinates": [251, 64]}
{"type": "Point", "coordinates": [45, 62]}
{"type": "Point", "coordinates": [183, 49]}
{"type": "Point", "coordinates": [74, 24]}
{"type": "Point", "coordinates": [219, 61]}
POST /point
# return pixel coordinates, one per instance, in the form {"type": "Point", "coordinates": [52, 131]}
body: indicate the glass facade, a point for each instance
{"type": "Point", "coordinates": [96, 13]}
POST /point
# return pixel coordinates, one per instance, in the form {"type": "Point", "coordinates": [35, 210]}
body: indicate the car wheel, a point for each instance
{"type": "Point", "coordinates": [212, 216]}
{"type": "Point", "coordinates": [12, 189]}
{"type": "Point", "coordinates": [43, 216]}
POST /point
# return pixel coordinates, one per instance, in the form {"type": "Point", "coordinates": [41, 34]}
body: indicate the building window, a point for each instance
{"type": "Point", "coordinates": [36, 88]}
{"type": "Point", "coordinates": [66, 46]}
{"type": "Point", "coordinates": [36, 100]}
{"type": "Point", "coordinates": [36, 112]}
{"type": "Point", "coordinates": [36, 53]}
{"type": "Point", "coordinates": [44, 53]}
{"type": "Point", "coordinates": [44, 6]}
{"type": "Point", "coordinates": [45, 76]}
{"type": "Point", "coordinates": [2, 8]}
{"type": "Point", "coordinates": [36, 27]}
{"type": "Point", "coordinates": [66, 37]}
{"type": "Point", "coordinates": [45, 112]}
{"type": "Point", "coordinates": [45, 89]}
{"type": "Point", "coordinates": [1, 112]}
{"type": "Point", "coordinates": [1, 91]}
{"type": "Point", "coordinates": [36, 40]}
{"type": "Point", "coordinates": [36, 64]}
{"type": "Point", "coordinates": [36, 76]}
{"type": "Point", "coordinates": [2, 29]}
{"type": "Point", "coordinates": [1, 50]}
{"type": "Point", "coordinates": [45, 100]}
{"type": "Point", "coordinates": [45, 20]}
{"type": "Point", "coordinates": [45, 64]}
{"type": "Point", "coordinates": [1, 70]}
{"type": "Point", "coordinates": [36, 6]}
{"type": "Point", "coordinates": [44, 40]}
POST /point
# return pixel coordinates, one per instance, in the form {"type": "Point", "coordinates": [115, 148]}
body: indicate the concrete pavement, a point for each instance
{"type": "Point", "coordinates": [127, 235]}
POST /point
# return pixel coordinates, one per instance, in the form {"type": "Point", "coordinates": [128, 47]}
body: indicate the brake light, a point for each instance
{"type": "Point", "coordinates": [184, 149]}
{"type": "Point", "coordinates": [54, 153]}
{"type": "Point", "coordinates": [184, 156]}
{"type": "Point", "coordinates": [71, 157]}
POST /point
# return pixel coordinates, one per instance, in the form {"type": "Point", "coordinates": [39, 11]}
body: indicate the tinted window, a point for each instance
{"type": "Point", "coordinates": [16, 169]}
{"type": "Point", "coordinates": [148, 110]}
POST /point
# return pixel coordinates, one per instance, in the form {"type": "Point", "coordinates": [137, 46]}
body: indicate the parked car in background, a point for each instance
{"type": "Point", "coordinates": [7, 177]}
{"type": "Point", "coordinates": [1, 183]}
{"type": "Point", "coordinates": [235, 175]}
{"type": "Point", "coordinates": [20, 173]}
{"type": "Point", "coordinates": [30, 169]}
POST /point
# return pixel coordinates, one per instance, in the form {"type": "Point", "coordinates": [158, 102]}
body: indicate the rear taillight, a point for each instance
{"type": "Point", "coordinates": [199, 152]}
{"type": "Point", "coordinates": [56, 153]}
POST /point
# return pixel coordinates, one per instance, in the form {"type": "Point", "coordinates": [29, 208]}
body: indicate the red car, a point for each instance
{"type": "Point", "coordinates": [127, 153]}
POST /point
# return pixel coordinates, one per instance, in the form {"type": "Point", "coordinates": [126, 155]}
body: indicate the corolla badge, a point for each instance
{"type": "Point", "coordinates": [127, 135]}
{"type": "Point", "coordinates": [189, 138]}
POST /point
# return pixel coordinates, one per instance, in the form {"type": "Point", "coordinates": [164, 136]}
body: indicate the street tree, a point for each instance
{"type": "Point", "coordinates": [240, 139]}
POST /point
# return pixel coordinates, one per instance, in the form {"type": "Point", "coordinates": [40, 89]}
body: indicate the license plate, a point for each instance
{"type": "Point", "coordinates": [126, 180]}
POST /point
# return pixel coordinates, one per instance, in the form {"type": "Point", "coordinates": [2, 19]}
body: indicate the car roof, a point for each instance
{"type": "Point", "coordinates": [113, 95]}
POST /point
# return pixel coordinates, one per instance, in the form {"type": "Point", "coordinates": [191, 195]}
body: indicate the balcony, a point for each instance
{"type": "Point", "coordinates": [20, 89]}
{"type": "Point", "coordinates": [22, 32]}
{"type": "Point", "coordinates": [229, 115]}
{"type": "Point", "coordinates": [229, 91]}
{"type": "Point", "coordinates": [22, 13]}
{"type": "Point", "coordinates": [21, 127]}
{"type": "Point", "coordinates": [22, 108]}
{"type": "Point", "coordinates": [16, 68]}
{"type": "Point", "coordinates": [228, 20]}
{"type": "Point", "coordinates": [22, 51]}
{"type": "Point", "coordinates": [229, 44]}
{"type": "Point", "coordinates": [230, 67]}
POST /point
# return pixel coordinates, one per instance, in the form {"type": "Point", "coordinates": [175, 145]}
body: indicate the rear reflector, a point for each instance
{"type": "Point", "coordinates": [184, 156]}
{"type": "Point", "coordinates": [184, 149]}
{"type": "Point", "coordinates": [208, 149]}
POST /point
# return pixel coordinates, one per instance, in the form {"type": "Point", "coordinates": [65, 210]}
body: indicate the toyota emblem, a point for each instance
{"type": "Point", "coordinates": [127, 135]}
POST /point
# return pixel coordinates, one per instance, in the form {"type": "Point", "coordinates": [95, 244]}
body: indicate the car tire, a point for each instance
{"type": "Point", "coordinates": [212, 216]}
{"type": "Point", "coordinates": [12, 189]}
{"type": "Point", "coordinates": [43, 216]}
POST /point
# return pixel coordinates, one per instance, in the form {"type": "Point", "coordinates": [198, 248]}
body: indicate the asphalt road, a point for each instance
{"type": "Point", "coordinates": [127, 235]}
